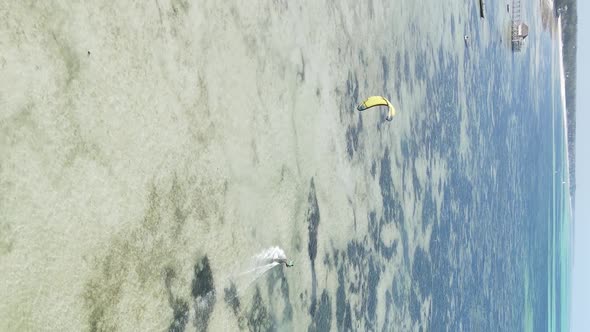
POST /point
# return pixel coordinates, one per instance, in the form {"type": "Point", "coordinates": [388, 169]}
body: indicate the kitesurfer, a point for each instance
{"type": "Point", "coordinates": [284, 261]}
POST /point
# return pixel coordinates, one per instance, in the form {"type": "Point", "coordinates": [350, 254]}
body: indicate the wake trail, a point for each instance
{"type": "Point", "coordinates": [247, 272]}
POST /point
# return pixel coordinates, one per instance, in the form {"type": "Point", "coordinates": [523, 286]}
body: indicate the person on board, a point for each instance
{"type": "Point", "coordinates": [283, 261]}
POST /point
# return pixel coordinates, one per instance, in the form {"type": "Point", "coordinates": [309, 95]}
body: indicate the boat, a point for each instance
{"type": "Point", "coordinates": [482, 8]}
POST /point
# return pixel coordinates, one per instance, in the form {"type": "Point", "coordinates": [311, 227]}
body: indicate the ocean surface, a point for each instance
{"type": "Point", "coordinates": [152, 154]}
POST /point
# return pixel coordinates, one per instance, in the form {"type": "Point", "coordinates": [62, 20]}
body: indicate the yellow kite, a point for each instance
{"type": "Point", "coordinates": [377, 101]}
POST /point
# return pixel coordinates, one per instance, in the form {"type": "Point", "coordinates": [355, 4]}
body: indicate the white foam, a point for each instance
{"type": "Point", "coordinates": [564, 105]}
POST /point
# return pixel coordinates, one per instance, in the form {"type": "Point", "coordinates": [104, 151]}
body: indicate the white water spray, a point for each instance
{"type": "Point", "coordinates": [249, 271]}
